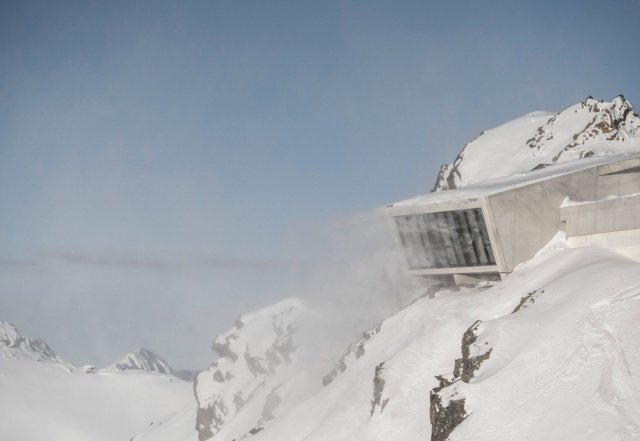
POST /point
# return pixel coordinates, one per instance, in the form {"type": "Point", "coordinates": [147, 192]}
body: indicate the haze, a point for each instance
{"type": "Point", "coordinates": [166, 166]}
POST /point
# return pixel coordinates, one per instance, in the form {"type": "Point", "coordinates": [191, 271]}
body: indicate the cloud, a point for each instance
{"type": "Point", "coordinates": [240, 264]}
{"type": "Point", "coordinates": [114, 260]}
{"type": "Point", "coordinates": [8, 264]}
{"type": "Point", "coordinates": [154, 263]}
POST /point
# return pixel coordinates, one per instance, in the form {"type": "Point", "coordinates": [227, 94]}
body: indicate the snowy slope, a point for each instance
{"type": "Point", "coordinates": [588, 129]}
{"type": "Point", "coordinates": [42, 397]}
{"type": "Point", "coordinates": [564, 366]}
{"type": "Point", "coordinates": [258, 374]}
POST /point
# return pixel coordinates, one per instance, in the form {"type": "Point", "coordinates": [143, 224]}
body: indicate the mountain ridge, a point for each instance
{"type": "Point", "coordinates": [541, 139]}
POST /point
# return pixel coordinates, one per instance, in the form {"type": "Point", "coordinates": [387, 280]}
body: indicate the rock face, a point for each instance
{"type": "Point", "coordinates": [378, 390]}
{"type": "Point", "coordinates": [355, 351]}
{"type": "Point", "coordinates": [527, 300]}
{"type": "Point", "coordinates": [541, 139]}
{"type": "Point", "coordinates": [445, 413]}
{"type": "Point", "coordinates": [141, 360]}
{"type": "Point", "coordinates": [254, 373]}
{"type": "Point", "coordinates": [15, 345]}
{"type": "Point", "coordinates": [447, 402]}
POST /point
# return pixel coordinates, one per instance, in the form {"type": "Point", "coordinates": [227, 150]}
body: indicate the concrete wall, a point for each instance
{"type": "Point", "coordinates": [607, 215]}
{"type": "Point", "coordinates": [526, 218]}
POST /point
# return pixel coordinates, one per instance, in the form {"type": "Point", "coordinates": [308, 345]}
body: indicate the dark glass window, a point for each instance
{"type": "Point", "coordinates": [445, 239]}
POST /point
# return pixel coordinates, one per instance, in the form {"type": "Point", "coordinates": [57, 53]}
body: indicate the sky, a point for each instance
{"type": "Point", "coordinates": [166, 166]}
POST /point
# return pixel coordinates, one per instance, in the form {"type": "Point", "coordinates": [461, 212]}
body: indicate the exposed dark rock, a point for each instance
{"type": "Point", "coordinates": [444, 418]}
{"type": "Point", "coordinates": [446, 179]}
{"type": "Point", "coordinates": [280, 351]}
{"type": "Point", "coordinates": [378, 389]}
{"type": "Point", "coordinates": [209, 419]}
{"type": "Point", "coordinates": [218, 376]}
{"type": "Point", "coordinates": [469, 363]}
{"type": "Point", "coordinates": [612, 120]}
{"type": "Point", "coordinates": [272, 401]}
{"type": "Point", "coordinates": [357, 349]}
{"type": "Point", "coordinates": [446, 410]}
{"type": "Point", "coordinates": [527, 300]}
{"type": "Point", "coordinates": [340, 368]}
{"type": "Point", "coordinates": [238, 400]}
{"type": "Point", "coordinates": [222, 347]}
{"type": "Point", "coordinates": [254, 364]}
{"type": "Point", "coordinates": [542, 135]}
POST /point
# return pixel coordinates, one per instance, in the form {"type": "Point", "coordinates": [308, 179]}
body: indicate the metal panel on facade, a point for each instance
{"type": "Point", "coordinates": [554, 191]}
{"type": "Point", "coordinates": [582, 186]}
{"type": "Point", "coordinates": [528, 222]}
{"type": "Point", "coordinates": [607, 186]}
{"type": "Point", "coordinates": [627, 213]}
{"type": "Point", "coordinates": [629, 183]}
{"type": "Point", "coordinates": [503, 212]}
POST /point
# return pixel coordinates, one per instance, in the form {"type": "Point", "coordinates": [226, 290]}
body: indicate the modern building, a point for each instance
{"type": "Point", "coordinates": [483, 231]}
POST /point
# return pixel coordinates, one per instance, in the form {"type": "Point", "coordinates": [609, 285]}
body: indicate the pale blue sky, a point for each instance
{"type": "Point", "coordinates": [162, 164]}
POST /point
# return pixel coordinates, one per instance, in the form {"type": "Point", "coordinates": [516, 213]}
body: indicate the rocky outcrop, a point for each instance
{"type": "Point", "coordinates": [527, 300]}
{"type": "Point", "coordinates": [445, 413]}
{"type": "Point", "coordinates": [378, 389]}
{"type": "Point", "coordinates": [355, 351]}
{"type": "Point", "coordinates": [255, 358]}
{"type": "Point", "coordinates": [465, 367]}
{"type": "Point", "coordinates": [613, 121]}
{"type": "Point", "coordinates": [447, 403]}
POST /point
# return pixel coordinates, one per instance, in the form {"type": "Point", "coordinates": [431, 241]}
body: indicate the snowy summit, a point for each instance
{"type": "Point", "coordinates": [141, 360]}
{"type": "Point", "coordinates": [592, 128]}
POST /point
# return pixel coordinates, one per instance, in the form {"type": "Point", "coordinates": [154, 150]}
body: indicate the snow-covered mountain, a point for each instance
{"type": "Point", "coordinates": [44, 397]}
{"type": "Point", "coordinates": [14, 345]}
{"type": "Point", "coordinates": [539, 139]}
{"type": "Point", "coordinates": [141, 360]}
{"type": "Point", "coordinates": [257, 375]}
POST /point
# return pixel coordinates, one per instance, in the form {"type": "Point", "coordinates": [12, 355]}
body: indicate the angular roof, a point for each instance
{"type": "Point", "coordinates": [493, 186]}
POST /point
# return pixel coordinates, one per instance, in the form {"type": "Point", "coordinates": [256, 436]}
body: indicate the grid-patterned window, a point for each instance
{"type": "Point", "coordinates": [445, 239]}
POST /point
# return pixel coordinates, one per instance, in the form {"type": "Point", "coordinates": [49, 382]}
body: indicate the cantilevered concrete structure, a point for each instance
{"type": "Point", "coordinates": [485, 230]}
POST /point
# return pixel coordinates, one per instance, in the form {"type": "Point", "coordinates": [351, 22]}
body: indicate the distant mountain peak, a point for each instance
{"type": "Point", "coordinates": [591, 128]}
{"type": "Point", "coordinates": [255, 373]}
{"type": "Point", "coordinates": [15, 345]}
{"type": "Point", "coordinates": [141, 360]}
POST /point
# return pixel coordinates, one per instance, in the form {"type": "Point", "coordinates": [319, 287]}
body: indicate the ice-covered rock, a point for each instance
{"type": "Point", "coordinates": [255, 375]}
